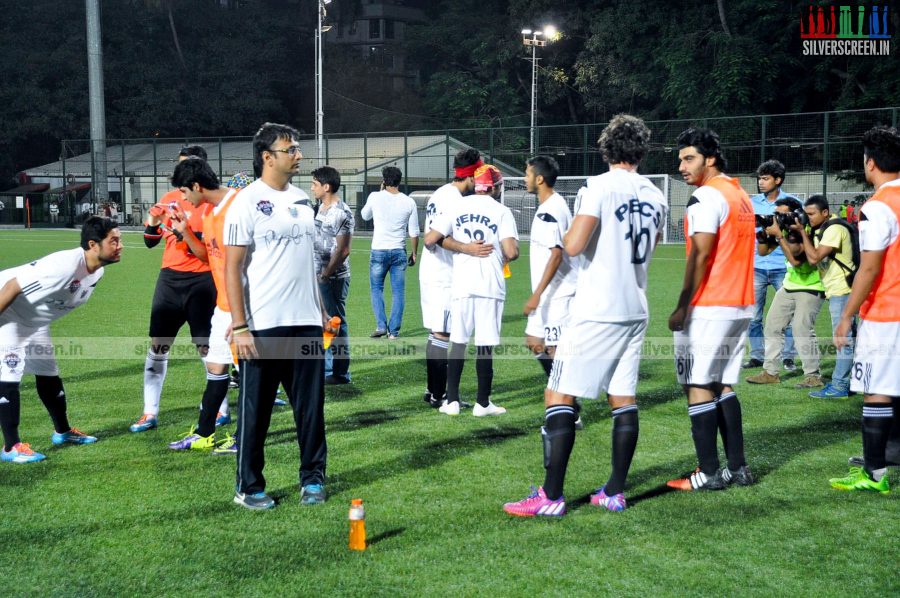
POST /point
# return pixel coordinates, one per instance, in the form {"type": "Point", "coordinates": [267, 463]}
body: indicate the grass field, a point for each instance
{"type": "Point", "coordinates": [126, 516]}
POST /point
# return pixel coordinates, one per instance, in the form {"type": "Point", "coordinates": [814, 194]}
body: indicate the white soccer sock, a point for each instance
{"type": "Point", "coordinates": [155, 367]}
{"type": "Point", "coordinates": [223, 408]}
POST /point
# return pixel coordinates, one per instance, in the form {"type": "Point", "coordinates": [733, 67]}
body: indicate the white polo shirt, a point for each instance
{"type": "Point", "coordinates": [278, 228]}
{"type": "Point", "coordinates": [395, 218]}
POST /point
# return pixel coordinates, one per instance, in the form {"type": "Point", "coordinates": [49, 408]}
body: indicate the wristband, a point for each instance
{"type": "Point", "coordinates": [240, 329]}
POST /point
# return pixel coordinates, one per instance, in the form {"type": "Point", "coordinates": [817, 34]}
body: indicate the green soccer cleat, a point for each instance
{"type": "Point", "coordinates": [858, 479]}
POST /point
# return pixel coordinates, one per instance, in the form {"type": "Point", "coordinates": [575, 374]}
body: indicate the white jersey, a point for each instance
{"type": "Point", "coordinates": [278, 228]}
{"type": "Point", "coordinates": [51, 287]}
{"type": "Point", "coordinates": [477, 218]}
{"type": "Point", "coordinates": [437, 263]}
{"type": "Point", "coordinates": [612, 276]}
{"type": "Point", "coordinates": [551, 221]}
{"type": "Point", "coordinates": [395, 217]}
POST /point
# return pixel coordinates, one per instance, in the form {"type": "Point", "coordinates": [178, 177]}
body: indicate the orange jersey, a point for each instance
{"type": "Point", "coordinates": [176, 255]}
{"type": "Point", "coordinates": [214, 225]}
{"type": "Point", "coordinates": [729, 276]}
{"type": "Point", "coordinates": [883, 301]}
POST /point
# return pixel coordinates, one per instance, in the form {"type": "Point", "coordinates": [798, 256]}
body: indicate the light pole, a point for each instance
{"type": "Point", "coordinates": [320, 111]}
{"type": "Point", "coordinates": [549, 33]}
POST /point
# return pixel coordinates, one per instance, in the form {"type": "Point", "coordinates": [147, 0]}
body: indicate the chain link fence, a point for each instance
{"type": "Point", "coordinates": [821, 151]}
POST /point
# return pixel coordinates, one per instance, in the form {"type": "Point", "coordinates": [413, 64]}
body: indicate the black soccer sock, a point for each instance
{"type": "Point", "coordinates": [455, 363]}
{"type": "Point", "coordinates": [876, 425]}
{"type": "Point", "coordinates": [429, 365]}
{"type": "Point", "coordinates": [546, 362]}
{"type": "Point", "coordinates": [624, 441]}
{"type": "Point", "coordinates": [703, 428]}
{"type": "Point", "coordinates": [53, 396]}
{"type": "Point", "coordinates": [558, 434]}
{"type": "Point", "coordinates": [216, 390]}
{"type": "Point", "coordinates": [9, 414]}
{"type": "Point", "coordinates": [731, 427]}
{"type": "Point", "coordinates": [440, 349]}
{"type": "Point", "coordinates": [484, 369]}
{"type": "Point", "coordinates": [893, 443]}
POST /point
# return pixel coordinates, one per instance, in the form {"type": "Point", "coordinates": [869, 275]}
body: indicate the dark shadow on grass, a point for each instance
{"type": "Point", "coordinates": [385, 536]}
{"type": "Point", "coordinates": [768, 449]}
{"type": "Point", "coordinates": [336, 393]}
{"type": "Point", "coordinates": [422, 457]}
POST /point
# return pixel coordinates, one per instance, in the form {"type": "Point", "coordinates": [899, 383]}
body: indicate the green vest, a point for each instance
{"type": "Point", "coordinates": [804, 277]}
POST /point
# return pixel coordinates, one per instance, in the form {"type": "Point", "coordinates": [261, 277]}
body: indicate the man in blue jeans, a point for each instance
{"type": "Point", "coordinates": [831, 249]}
{"type": "Point", "coordinates": [334, 228]}
{"type": "Point", "coordinates": [395, 218]}
{"type": "Point", "coordinates": [768, 269]}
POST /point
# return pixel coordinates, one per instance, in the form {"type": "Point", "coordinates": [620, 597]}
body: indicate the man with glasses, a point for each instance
{"type": "Point", "coordinates": [277, 318]}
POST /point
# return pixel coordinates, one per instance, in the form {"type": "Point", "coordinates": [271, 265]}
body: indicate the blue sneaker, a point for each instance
{"type": "Point", "coordinates": [223, 419]}
{"type": "Point", "coordinates": [258, 501]}
{"type": "Point", "coordinates": [830, 392]}
{"type": "Point", "coordinates": [280, 402]}
{"type": "Point", "coordinates": [21, 453]}
{"type": "Point", "coordinates": [147, 422]}
{"type": "Point", "coordinates": [312, 494]}
{"type": "Point", "coordinates": [73, 436]}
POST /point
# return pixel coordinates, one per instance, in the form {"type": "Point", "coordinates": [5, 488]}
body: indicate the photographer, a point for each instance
{"type": "Point", "coordinates": [797, 302]}
{"type": "Point", "coordinates": [831, 249]}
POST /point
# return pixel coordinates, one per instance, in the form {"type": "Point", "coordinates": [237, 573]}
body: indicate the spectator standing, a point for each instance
{"type": "Point", "coordinates": [394, 218]}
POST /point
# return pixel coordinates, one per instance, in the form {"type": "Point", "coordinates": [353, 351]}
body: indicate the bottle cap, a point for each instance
{"type": "Point", "coordinates": [356, 502]}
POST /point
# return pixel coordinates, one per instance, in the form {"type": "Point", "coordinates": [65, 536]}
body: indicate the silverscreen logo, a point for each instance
{"type": "Point", "coordinates": [845, 30]}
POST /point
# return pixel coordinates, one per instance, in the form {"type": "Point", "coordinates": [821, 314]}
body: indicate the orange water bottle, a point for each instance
{"type": "Point", "coordinates": [357, 525]}
{"type": "Point", "coordinates": [507, 273]}
{"type": "Point", "coordinates": [327, 335]}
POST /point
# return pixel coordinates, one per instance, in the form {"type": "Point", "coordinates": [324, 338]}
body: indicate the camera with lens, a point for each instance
{"type": "Point", "coordinates": [784, 220]}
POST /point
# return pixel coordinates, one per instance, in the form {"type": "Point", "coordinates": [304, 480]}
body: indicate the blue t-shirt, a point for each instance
{"type": "Point", "coordinates": [776, 259]}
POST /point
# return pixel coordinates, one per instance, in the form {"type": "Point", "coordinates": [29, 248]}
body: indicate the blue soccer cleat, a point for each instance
{"type": "Point", "coordinates": [73, 436]}
{"type": "Point", "coordinates": [21, 453]}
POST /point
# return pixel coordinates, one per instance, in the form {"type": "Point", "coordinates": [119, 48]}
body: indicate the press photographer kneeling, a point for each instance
{"type": "Point", "coordinates": [797, 302]}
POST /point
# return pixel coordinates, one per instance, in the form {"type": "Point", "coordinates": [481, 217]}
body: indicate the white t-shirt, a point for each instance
{"type": "Point", "coordinates": [880, 227]}
{"type": "Point", "coordinates": [477, 217]}
{"type": "Point", "coordinates": [395, 218]}
{"type": "Point", "coordinates": [278, 228]}
{"type": "Point", "coordinates": [551, 221]}
{"type": "Point", "coordinates": [51, 287]}
{"type": "Point", "coordinates": [707, 215]}
{"type": "Point", "coordinates": [436, 268]}
{"type": "Point", "coordinates": [612, 276]}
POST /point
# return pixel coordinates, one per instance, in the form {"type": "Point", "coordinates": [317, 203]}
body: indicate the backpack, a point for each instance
{"type": "Point", "coordinates": [849, 269]}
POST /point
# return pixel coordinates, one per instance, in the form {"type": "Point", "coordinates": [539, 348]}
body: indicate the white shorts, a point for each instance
{"type": "Point", "coordinates": [593, 357]}
{"type": "Point", "coordinates": [876, 361]}
{"type": "Point", "coordinates": [435, 308]}
{"type": "Point", "coordinates": [710, 351]}
{"type": "Point", "coordinates": [548, 320]}
{"type": "Point", "coordinates": [25, 350]}
{"type": "Point", "coordinates": [480, 316]}
{"type": "Point", "coordinates": [219, 349]}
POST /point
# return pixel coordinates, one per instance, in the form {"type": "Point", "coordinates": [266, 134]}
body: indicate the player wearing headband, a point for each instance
{"type": "Point", "coordinates": [435, 274]}
{"type": "Point", "coordinates": [479, 288]}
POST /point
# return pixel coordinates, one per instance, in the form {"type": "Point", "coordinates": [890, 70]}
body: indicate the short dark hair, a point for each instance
{"type": "Point", "coordinates": [819, 201]}
{"type": "Point", "coordinates": [882, 144]}
{"type": "Point", "coordinates": [707, 143]}
{"type": "Point", "coordinates": [96, 229]}
{"type": "Point", "coordinates": [546, 167]}
{"type": "Point", "coordinates": [192, 150]}
{"type": "Point", "coordinates": [391, 175]}
{"type": "Point", "coordinates": [466, 157]}
{"type": "Point", "coordinates": [773, 168]}
{"type": "Point", "coordinates": [194, 170]}
{"type": "Point", "coordinates": [625, 139]}
{"type": "Point", "coordinates": [327, 175]}
{"type": "Point", "coordinates": [791, 202]}
{"type": "Point", "coordinates": [265, 137]}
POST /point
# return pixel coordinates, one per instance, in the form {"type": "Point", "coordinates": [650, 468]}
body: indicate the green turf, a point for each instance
{"type": "Point", "coordinates": [128, 517]}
